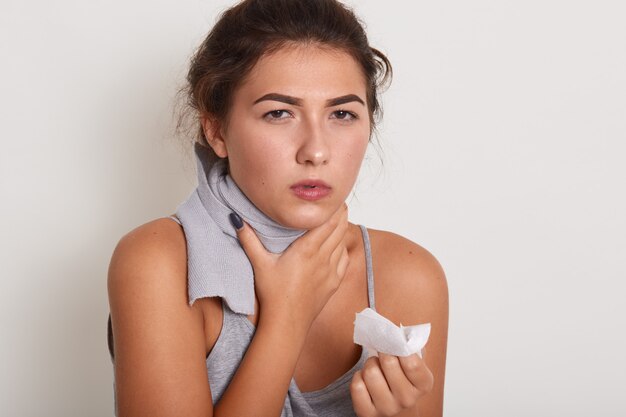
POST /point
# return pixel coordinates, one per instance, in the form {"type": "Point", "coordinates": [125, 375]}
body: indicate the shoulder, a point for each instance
{"type": "Point", "coordinates": [161, 233]}
{"type": "Point", "coordinates": [148, 271]}
{"type": "Point", "coordinates": [149, 257]}
{"type": "Point", "coordinates": [410, 284]}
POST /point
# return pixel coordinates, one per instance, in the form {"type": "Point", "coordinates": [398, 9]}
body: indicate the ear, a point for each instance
{"type": "Point", "coordinates": [213, 133]}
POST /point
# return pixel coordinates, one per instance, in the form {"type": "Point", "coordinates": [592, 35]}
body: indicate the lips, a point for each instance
{"type": "Point", "coordinates": [311, 190]}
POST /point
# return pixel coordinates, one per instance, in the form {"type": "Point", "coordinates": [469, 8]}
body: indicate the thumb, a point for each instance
{"type": "Point", "coordinates": [248, 239]}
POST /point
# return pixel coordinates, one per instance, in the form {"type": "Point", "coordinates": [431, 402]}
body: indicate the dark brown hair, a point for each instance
{"type": "Point", "coordinates": [253, 28]}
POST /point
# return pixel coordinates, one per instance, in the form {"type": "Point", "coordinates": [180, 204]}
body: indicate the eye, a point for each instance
{"type": "Point", "coordinates": [276, 115]}
{"type": "Point", "coordinates": [344, 115]}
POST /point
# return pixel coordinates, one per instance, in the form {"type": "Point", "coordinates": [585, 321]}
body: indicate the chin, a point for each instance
{"type": "Point", "coordinates": [304, 218]}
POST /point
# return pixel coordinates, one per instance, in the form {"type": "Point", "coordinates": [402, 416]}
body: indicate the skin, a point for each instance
{"type": "Point", "coordinates": [272, 144]}
{"type": "Point", "coordinates": [307, 296]}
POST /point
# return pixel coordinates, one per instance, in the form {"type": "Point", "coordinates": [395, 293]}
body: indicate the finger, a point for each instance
{"type": "Point", "coordinates": [342, 266]}
{"type": "Point", "coordinates": [378, 388]}
{"type": "Point", "coordinates": [319, 234]}
{"type": "Point", "coordinates": [417, 372]}
{"type": "Point", "coordinates": [335, 254]}
{"type": "Point", "coordinates": [248, 239]}
{"type": "Point", "coordinates": [361, 400]}
{"type": "Point", "coordinates": [337, 235]}
{"type": "Point", "coordinates": [339, 261]}
{"type": "Point", "coordinates": [403, 390]}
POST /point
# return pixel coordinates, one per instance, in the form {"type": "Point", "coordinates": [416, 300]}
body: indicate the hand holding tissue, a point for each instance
{"type": "Point", "coordinates": [379, 334]}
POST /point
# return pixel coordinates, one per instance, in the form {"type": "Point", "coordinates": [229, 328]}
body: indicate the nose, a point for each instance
{"type": "Point", "coordinates": [313, 149]}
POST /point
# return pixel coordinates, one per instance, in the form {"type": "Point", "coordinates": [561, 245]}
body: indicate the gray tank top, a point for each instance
{"type": "Point", "coordinates": [237, 333]}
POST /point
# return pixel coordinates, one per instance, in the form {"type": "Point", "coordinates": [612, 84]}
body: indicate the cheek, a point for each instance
{"type": "Point", "coordinates": [348, 162]}
{"type": "Point", "coordinates": [354, 152]}
{"type": "Point", "coordinates": [257, 160]}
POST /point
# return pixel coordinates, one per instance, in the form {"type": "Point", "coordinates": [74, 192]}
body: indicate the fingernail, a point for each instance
{"type": "Point", "coordinates": [236, 220]}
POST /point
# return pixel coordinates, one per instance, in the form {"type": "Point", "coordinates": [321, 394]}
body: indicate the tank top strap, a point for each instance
{"type": "Point", "coordinates": [370, 269]}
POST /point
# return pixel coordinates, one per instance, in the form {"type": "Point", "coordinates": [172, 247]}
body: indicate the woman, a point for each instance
{"type": "Point", "coordinates": [285, 94]}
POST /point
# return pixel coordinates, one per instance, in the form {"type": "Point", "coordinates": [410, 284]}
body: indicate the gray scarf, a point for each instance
{"type": "Point", "coordinates": [217, 265]}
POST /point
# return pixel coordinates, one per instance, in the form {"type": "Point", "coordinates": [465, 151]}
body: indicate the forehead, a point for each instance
{"type": "Point", "coordinates": [306, 71]}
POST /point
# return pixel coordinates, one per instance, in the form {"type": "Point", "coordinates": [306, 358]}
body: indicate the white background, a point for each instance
{"type": "Point", "coordinates": [504, 156]}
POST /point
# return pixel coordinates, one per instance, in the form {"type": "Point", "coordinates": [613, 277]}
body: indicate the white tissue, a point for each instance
{"type": "Point", "coordinates": [378, 334]}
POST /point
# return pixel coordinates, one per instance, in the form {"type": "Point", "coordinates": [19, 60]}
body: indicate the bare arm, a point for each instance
{"type": "Point", "coordinates": [412, 289]}
{"type": "Point", "coordinates": [159, 340]}
{"type": "Point", "coordinates": [160, 346]}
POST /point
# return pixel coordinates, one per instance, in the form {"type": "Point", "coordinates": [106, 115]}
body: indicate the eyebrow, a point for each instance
{"type": "Point", "coordinates": [348, 98]}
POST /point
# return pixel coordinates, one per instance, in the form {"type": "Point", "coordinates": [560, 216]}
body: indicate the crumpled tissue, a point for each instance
{"type": "Point", "coordinates": [378, 334]}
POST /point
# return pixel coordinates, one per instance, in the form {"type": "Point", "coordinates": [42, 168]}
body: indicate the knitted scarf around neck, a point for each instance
{"type": "Point", "coordinates": [216, 263]}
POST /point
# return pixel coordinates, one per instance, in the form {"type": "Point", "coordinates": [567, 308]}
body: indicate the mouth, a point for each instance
{"type": "Point", "coordinates": [311, 190]}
